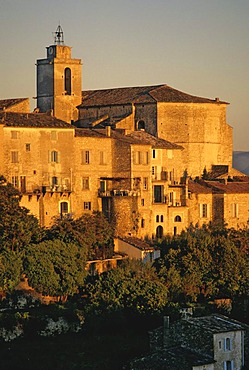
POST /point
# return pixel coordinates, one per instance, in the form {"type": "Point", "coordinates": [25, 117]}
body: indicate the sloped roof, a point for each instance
{"type": "Point", "coordinates": [195, 187]}
{"type": "Point", "coordinates": [177, 358]}
{"type": "Point", "coordinates": [136, 137]}
{"type": "Point", "coordinates": [155, 142]}
{"type": "Point", "coordinates": [7, 103]}
{"type": "Point", "coordinates": [136, 242]}
{"type": "Point", "coordinates": [216, 323]}
{"type": "Point", "coordinates": [11, 119]}
{"type": "Point", "coordinates": [140, 94]}
{"type": "Point", "coordinates": [229, 187]}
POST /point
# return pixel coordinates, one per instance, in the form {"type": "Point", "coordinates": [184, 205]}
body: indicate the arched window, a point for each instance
{"type": "Point", "coordinates": [159, 232]}
{"type": "Point", "coordinates": [68, 81]}
{"type": "Point", "coordinates": [141, 125]}
{"type": "Point", "coordinates": [178, 219]}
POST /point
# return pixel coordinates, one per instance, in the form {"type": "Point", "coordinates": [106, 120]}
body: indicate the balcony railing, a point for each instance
{"type": "Point", "coordinates": [118, 193]}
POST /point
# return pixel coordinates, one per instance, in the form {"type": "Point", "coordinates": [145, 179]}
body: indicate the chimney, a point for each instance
{"type": "Point", "coordinates": [108, 131]}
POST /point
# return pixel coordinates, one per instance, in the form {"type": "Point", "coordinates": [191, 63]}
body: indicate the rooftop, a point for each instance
{"type": "Point", "coordinates": [7, 103]}
{"type": "Point", "coordinates": [216, 323]}
{"type": "Point", "coordinates": [138, 243]}
{"type": "Point", "coordinates": [41, 120]}
{"type": "Point", "coordinates": [140, 94]}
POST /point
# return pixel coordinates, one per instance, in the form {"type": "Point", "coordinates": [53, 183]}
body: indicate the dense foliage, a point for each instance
{"type": "Point", "coordinates": [91, 232]}
{"type": "Point", "coordinates": [17, 227]}
{"type": "Point", "coordinates": [205, 262]}
{"type": "Point", "coordinates": [54, 267]}
{"type": "Point", "coordinates": [133, 286]}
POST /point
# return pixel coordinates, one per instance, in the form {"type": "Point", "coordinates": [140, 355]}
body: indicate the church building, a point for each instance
{"type": "Point", "coordinates": [152, 158]}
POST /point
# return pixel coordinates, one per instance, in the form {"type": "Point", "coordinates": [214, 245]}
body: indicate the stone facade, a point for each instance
{"type": "Point", "coordinates": [135, 153]}
{"type": "Point", "coordinates": [59, 83]}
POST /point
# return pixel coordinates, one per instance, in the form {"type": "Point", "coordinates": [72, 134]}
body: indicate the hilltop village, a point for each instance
{"type": "Point", "coordinates": [153, 159]}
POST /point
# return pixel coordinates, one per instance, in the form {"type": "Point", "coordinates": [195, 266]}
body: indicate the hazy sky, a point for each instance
{"type": "Point", "coordinates": [197, 46]}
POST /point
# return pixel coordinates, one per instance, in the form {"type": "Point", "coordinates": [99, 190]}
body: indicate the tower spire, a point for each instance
{"type": "Point", "coordinates": [58, 36]}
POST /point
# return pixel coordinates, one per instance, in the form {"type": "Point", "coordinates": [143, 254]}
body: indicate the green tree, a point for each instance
{"type": "Point", "coordinates": [92, 233]}
{"type": "Point", "coordinates": [54, 267]}
{"type": "Point", "coordinates": [208, 261]}
{"type": "Point", "coordinates": [133, 286]}
{"type": "Point", "coordinates": [17, 227]}
{"type": "Point", "coordinates": [10, 269]}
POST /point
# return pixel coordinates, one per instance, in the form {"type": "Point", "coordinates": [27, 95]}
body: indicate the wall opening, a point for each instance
{"type": "Point", "coordinates": [68, 81]}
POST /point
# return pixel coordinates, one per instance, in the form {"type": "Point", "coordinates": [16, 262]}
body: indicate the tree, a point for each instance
{"type": "Point", "coordinates": [209, 261]}
{"type": "Point", "coordinates": [92, 233]}
{"type": "Point", "coordinates": [132, 286]}
{"type": "Point", "coordinates": [10, 269]}
{"type": "Point", "coordinates": [54, 267]}
{"type": "Point", "coordinates": [17, 227]}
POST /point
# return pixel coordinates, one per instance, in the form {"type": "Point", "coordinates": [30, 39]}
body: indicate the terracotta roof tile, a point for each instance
{"type": "Point", "coordinates": [229, 187]}
{"type": "Point", "coordinates": [136, 242]}
{"type": "Point", "coordinates": [142, 94]}
{"type": "Point", "coordinates": [6, 103]}
{"type": "Point", "coordinates": [155, 142]}
{"type": "Point", "coordinates": [10, 119]}
{"type": "Point", "coordinates": [195, 187]}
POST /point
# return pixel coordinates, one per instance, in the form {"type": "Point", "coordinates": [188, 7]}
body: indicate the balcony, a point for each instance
{"type": "Point", "coordinates": [118, 193]}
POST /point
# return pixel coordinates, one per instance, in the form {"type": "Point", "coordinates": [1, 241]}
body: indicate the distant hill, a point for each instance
{"type": "Point", "coordinates": [241, 161]}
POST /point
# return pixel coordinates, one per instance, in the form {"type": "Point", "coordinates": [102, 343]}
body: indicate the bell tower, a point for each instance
{"type": "Point", "coordinates": [59, 82]}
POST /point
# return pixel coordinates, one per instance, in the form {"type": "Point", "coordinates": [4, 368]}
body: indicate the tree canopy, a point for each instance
{"type": "Point", "coordinates": [54, 267]}
{"type": "Point", "coordinates": [132, 286]}
{"type": "Point", "coordinates": [206, 261]}
{"type": "Point", "coordinates": [17, 227]}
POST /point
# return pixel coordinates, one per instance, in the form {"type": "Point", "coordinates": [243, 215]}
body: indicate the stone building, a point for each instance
{"type": "Point", "coordinates": [135, 153]}
{"type": "Point", "coordinates": [196, 343]}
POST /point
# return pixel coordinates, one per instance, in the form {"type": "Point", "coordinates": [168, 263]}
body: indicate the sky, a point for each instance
{"type": "Point", "coordinates": [197, 46]}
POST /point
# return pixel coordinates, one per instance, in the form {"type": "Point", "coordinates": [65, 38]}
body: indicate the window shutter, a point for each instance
{"type": "Point", "coordinates": [49, 156]}
{"type": "Point", "coordinates": [59, 157]}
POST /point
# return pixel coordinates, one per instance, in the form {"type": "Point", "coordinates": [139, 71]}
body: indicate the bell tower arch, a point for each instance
{"type": "Point", "coordinates": [59, 80]}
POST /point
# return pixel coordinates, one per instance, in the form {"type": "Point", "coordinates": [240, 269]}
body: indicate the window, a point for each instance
{"type": "Point", "coordinates": [154, 172]}
{"type": "Point", "coordinates": [178, 218]}
{"type": "Point", "coordinates": [14, 181]}
{"type": "Point", "coordinates": [141, 125]}
{"type": "Point", "coordinates": [158, 194]}
{"type": "Point", "coordinates": [14, 134]}
{"type": "Point", "coordinates": [220, 344]}
{"type": "Point", "coordinates": [85, 183]}
{"type": "Point", "coordinates": [67, 81]}
{"type": "Point", "coordinates": [27, 146]}
{"type": "Point", "coordinates": [153, 153]}
{"type": "Point", "coordinates": [142, 223]}
{"type": "Point", "coordinates": [102, 185]}
{"type": "Point", "coordinates": [227, 344]}
{"type": "Point", "coordinates": [159, 231]}
{"type": "Point", "coordinates": [142, 202]}
{"type": "Point", "coordinates": [145, 183]}
{"type": "Point", "coordinates": [235, 210]}
{"type": "Point", "coordinates": [54, 156]}
{"type": "Point", "coordinates": [102, 158]}
{"type": "Point", "coordinates": [64, 208]}
{"type": "Point", "coordinates": [54, 182]}
{"type": "Point", "coordinates": [85, 157]}
{"type": "Point", "coordinates": [14, 157]}
{"type": "Point", "coordinates": [203, 210]}
{"type": "Point", "coordinates": [87, 206]}
{"type": "Point", "coordinates": [159, 218]}
{"type": "Point", "coordinates": [141, 157]}
{"type": "Point", "coordinates": [228, 365]}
